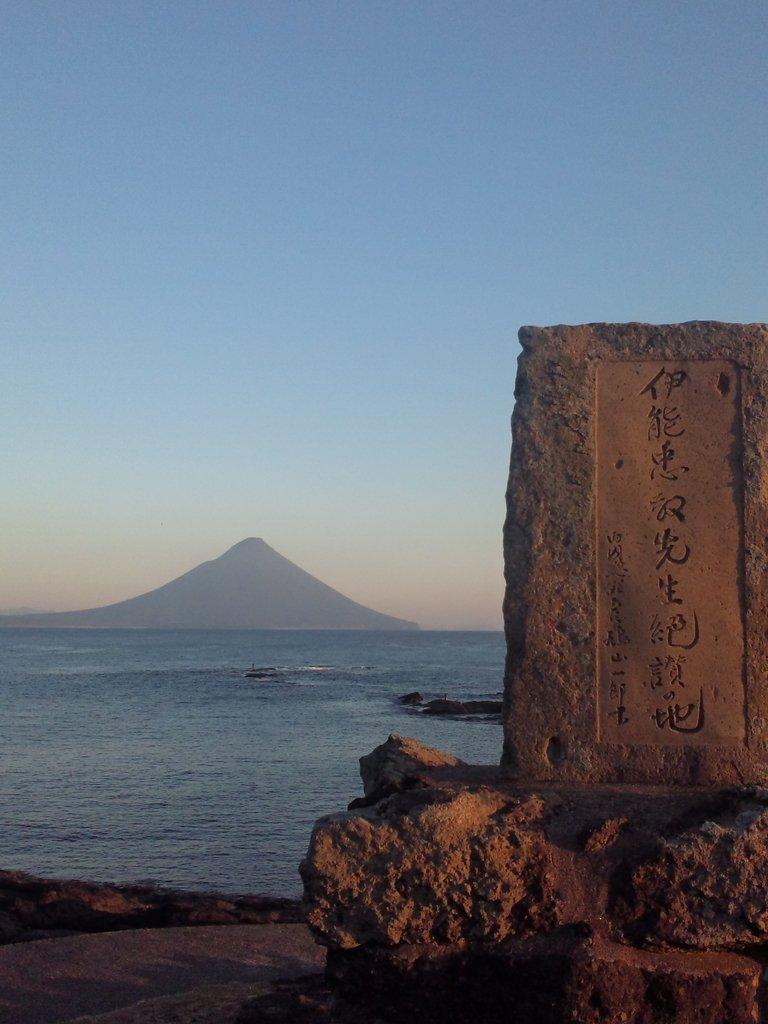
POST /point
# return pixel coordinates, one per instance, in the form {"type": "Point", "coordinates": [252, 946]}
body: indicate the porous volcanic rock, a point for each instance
{"type": "Point", "coordinates": [430, 867]}
{"type": "Point", "coordinates": [707, 887]}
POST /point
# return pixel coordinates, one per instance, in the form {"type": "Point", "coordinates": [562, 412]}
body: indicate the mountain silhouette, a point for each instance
{"type": "Point", "coordinates": [250, 586]}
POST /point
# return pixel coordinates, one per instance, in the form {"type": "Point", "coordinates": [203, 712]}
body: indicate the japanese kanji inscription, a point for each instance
{"type": "Point", "coordinates": [636, 555]}
{"type": "Point", "coordinates": [670, 644]}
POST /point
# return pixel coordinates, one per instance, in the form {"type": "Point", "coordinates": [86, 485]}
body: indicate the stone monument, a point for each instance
{"type": "Point", "coordinates": [613, 869]}
{"type": "Point", "coordinates": [635, 545]}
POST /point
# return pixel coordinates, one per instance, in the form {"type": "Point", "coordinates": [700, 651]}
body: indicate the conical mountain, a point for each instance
{"type": "Point", "coordinates": [250, 586]}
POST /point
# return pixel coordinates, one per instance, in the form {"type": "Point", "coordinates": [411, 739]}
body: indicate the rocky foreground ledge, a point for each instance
{"type": "Point", "coordinates": [35, 908]}
{"type": "Point", "coordinates": [453, 893]}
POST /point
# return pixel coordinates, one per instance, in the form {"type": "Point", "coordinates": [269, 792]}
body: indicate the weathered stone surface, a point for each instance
{"type": "Point", "coordinates": [430, 866]}
{"type": "Point", "coordinates": [569, 980]}
{"type": "Point", "coordinates": [473, 898]}
{"type": "Point", "coordinates": [387, 767]}
{"type": "Point", "coordinates": [707, 887]}
{"type": "Point", "coordinates": [604, 414]}
{"type": "Point", "coordinates": [470, 857]}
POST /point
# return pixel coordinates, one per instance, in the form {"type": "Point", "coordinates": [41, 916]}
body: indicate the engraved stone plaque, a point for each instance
{"type": "Point", "coordinates": [636, 556]}
{"type": "Point", "coordinates": [670, 645]}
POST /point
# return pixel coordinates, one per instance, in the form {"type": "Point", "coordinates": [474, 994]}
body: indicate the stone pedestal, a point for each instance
{"type": "Point", "coordinates": [460, 896]}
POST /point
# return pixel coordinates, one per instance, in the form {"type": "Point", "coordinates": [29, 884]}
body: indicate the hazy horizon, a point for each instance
{"type": "Point", "coordinates": [265, 266]}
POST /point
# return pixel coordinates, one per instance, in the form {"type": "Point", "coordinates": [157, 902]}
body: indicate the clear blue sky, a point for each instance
{"type": "Point", "coordinates": [264, 264]}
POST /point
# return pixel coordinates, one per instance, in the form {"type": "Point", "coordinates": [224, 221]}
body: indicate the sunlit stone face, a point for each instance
{"type": "Point", "coordinates": [636, 555]}
{"type": "Point", "coordinates": [669, 636]}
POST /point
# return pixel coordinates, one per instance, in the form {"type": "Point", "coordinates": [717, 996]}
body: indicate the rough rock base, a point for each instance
{"type": "Point", "coordinates": [548, 983]}
{"type": "Point", "coordinates": [460, 896]}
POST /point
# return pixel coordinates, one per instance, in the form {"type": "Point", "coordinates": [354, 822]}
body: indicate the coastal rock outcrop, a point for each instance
{"type": "Point", "coordinates": [451, 708]}
{"type": "Point", "coordinates": [413, 698]}
{"type": "Point", "coordinates": [456, 708]}
{"type": "Point", "coordinates": [32, 908]}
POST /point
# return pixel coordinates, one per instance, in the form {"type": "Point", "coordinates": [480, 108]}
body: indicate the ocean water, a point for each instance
{"type": "Point", "coordinates": [136, 755]}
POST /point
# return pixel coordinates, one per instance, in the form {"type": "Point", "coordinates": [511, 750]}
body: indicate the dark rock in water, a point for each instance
{"type": "Point", "coordinates": [482, 707]}
{"type": "Point", "coordinates": [411, 698]}
{"type": "Point", "coordinates": [261, 673]}
{"type": "Point", "coordinates": [33, 908]}
{"type": "Point", "coordinates": [443, 706]}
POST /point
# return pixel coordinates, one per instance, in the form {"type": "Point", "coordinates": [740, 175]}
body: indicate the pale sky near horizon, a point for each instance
{"type": "Point", "coordinates": [264, 264]}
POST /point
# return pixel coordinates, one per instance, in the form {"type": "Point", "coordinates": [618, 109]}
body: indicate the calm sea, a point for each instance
{"type": "Point", "coordinates": [127, 756]}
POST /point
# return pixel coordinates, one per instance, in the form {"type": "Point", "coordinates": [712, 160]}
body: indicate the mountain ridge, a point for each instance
{"type": "Point", "coordinates": [249, 586]}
